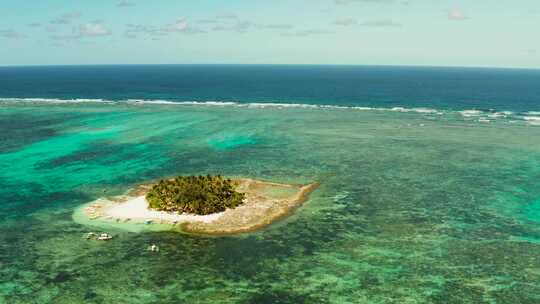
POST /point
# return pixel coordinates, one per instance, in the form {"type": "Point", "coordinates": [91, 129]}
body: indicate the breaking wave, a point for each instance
{"type": "Point", "coordinates": [531, 117]}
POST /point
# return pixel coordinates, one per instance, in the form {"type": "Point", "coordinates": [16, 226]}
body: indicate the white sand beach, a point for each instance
{"type": "Point", "coordinates": [136, 209]}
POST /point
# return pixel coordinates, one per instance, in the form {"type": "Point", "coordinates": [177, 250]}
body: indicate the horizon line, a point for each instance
{"type": "Point", "coordinates": [274, 64]}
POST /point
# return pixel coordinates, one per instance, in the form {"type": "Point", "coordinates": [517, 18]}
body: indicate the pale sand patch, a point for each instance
{"type": "Point", "coordinates": [265, 203]}
{"type": "Point", "coordinates": [137, 209]}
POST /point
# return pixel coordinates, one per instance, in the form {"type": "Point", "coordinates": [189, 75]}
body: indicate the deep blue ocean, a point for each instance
{"type": "Point", "coordinates": [370, 86]}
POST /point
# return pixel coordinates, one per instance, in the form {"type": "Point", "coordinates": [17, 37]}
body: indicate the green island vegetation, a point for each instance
{"type": "Point", "coordinates": [200, 195]}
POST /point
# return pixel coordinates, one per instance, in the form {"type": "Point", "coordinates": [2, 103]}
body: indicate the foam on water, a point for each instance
{"type": "Point", "coordinates": [55, 100]}
{"type": "Point", "coordinates": [470, 113]}
{"type": "Point", "coordinates": [530, 118]}
{"type": "Point", "coordinates": [500, 114]}
{"type": "Point", "coordinates": [229, 103]}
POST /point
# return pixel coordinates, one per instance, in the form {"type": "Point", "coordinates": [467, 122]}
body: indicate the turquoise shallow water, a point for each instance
{"type": "Point", "coordinates": [413, 207]}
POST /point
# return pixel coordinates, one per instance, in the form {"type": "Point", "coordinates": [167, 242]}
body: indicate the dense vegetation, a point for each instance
{"type": "Point", "coordinates": [195, 194]}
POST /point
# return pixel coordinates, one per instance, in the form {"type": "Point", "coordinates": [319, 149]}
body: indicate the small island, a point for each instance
{"type": "Point", "coordinates": [209, 204]}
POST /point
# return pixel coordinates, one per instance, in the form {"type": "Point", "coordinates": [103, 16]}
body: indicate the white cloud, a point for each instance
{"type": "Point", "coordinates": [346, 21]}
{"type": "Point", "coordinates": [456, 14]}
{"type": "Point", "coordinates": [66, 18]}
{"type": "Point", "coordinates": [207, 21]}
{"type": "Point", "coordinates": [242, 26]}
{"type": "Point", "coordinates": [86, 30]}
{"type": "Point", "coordinates": [275, 26]}
{"type": "Point", "coordinates": [64, 37]}
{"type": "Point", "coordinates": [372, 23]}
{"type": "Point", "coordinates": [93, 30]}
{"type": "Point", "coordinates": [308, 32]}
{"type": "Point", "coordinates": [11, 34]}
{"type": "Point", "coordinates": [344, 2]}
{"type": "Point", "coordinates": [125, 3]}
{"type": "Point", "coordinates": [381, 23]}
{"type": "Point", "coordinates": [180, 25]}
{"type": "Point", "coordinates": [239, 27]}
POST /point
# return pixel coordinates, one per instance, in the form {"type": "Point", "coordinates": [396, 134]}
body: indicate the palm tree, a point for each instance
{"type": "Point", "coordinates": [195, 194]}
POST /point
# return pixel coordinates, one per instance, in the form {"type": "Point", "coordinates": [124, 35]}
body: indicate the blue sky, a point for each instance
{"type": "Point", "coordinates": [499, 33]}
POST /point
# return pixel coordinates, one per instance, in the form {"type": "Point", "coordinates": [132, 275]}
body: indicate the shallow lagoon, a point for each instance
{"type": "Point", "coordinates": [413, 207]}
